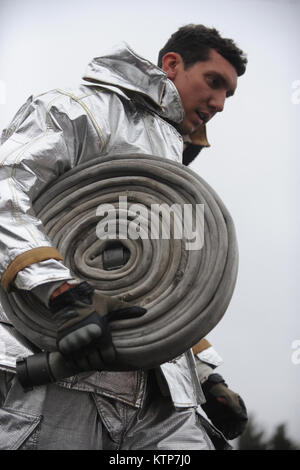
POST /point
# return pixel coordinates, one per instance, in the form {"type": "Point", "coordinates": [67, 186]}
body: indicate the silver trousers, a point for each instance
{"type": "Point", "coordinates": [55, 418]}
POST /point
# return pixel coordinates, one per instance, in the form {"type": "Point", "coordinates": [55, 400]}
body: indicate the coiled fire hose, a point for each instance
{"type": "Point", "coordinates": [186, 287]}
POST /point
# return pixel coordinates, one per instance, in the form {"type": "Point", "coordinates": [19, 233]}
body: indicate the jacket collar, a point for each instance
{"type": "Point", "coordinates": [199, 137]}
{"type": "Point", "coordinates": [125, 71]}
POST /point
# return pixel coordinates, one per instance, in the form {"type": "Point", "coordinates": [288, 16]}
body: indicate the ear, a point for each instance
{"type": "Point", "coordinates": [171, 63]}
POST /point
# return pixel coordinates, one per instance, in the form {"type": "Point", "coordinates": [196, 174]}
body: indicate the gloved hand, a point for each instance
{"type": "Point", "coordinates": [224, 408]}
{"type": "Point", "coordinates": [83, 318]}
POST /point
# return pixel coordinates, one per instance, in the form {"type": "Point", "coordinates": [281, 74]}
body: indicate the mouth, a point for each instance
{"type": "Point", "coordinates": [203, 116]}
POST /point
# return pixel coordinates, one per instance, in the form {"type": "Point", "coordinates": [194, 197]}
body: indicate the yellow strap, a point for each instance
{"type": "Point", "coordinates": [201, 346]}
{"type": "Point", "coordinates": [25, 259]}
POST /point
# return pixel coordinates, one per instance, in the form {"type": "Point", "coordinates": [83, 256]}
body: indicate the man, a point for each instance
{"type": "Point", "coordinates": [126, 105]}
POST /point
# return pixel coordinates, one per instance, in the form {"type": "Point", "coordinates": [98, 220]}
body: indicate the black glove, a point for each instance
{"type": "Point", "coordinates": [224, 408]}
{"type": "Point", "coordinates": [83, 316]}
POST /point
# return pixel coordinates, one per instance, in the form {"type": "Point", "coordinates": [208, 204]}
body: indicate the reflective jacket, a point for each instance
{"type": "Point", "coordinates": [125, 105]}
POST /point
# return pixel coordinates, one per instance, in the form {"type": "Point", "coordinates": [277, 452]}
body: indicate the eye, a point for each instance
{"type": "Point", "coordinates": [214, 82]}
{"type": "Point", "coordinates": [217, 82]}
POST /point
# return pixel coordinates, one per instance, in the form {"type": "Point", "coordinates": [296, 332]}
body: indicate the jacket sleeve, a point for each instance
{"type": "Point", "coordinates": [37, 147]}
{"type": "Point", "coordinates": [206, 358]}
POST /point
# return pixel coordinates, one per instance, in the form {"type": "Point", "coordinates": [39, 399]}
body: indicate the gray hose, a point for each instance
{"type": "Point", "coordinates": [186, 292]}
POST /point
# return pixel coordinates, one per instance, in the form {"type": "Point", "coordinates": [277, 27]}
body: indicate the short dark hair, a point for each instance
{"type": "Point", "coordinates": [194, 42]}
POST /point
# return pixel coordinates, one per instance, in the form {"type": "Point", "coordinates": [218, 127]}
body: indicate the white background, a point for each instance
{"type": "Point", "coordinates": [253, 161]}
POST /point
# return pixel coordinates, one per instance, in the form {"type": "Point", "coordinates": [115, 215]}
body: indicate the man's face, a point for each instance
{"type": "Point", "coordinates": [203, 87]}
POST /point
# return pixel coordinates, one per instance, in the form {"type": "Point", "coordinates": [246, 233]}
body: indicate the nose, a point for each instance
{"type": "Point", "coordinates": [217, 101]}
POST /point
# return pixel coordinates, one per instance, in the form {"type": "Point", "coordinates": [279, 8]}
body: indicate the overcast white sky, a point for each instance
{"type": "Point", "coordinates": [252, 162]}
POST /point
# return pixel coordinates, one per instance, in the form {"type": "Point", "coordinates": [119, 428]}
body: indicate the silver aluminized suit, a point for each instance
{"type": "Point", "coordinates": [125, 105]}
